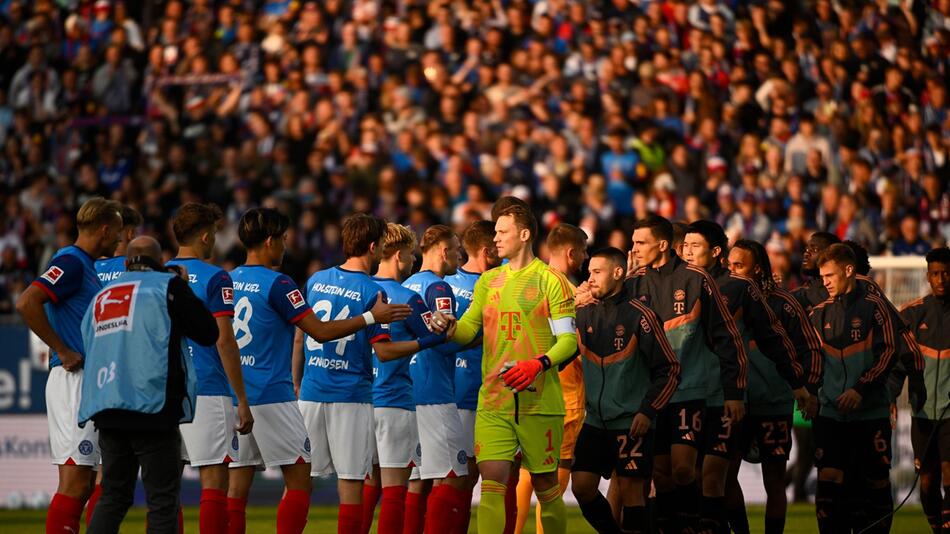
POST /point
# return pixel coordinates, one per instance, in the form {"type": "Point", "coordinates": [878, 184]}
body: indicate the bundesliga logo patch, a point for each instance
{"type": "Point", "coordinates": [296, 299]}
{"type": "Point", "coordinates": [227, 295]}
{"type": "Point", "coordinates": [427, 318]}
{"type": "Point", "coordinates": [52, 275]}
{"type": "Point", "coordinates": [443, 304]}
{"type": "Point", "coordinates": [114, 309]}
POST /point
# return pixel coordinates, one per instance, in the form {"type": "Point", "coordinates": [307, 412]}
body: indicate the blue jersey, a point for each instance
{"type": "Point", "coordinates": [71, 282]}
{"type": "Point", "coordinates": [392, 385]}
{"type": "Point", "coordinates": [468, 363]}
{"type": "Point", "coordinates": [341, 370]}
{"type": "Point", "coordinates": [433, 370]}
{"type": "Point", "coordinates": [109, 269]}
{"type": "Point", "coordinates": [213, 286]}
{"type": "Point", "coordinates": [267, 305]}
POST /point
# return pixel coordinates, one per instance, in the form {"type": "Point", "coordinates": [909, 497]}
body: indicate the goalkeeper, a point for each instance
{"type": "Point", "coordinates": [527, 310]}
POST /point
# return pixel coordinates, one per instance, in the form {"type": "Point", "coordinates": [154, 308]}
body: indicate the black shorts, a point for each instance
{"type": "Point", "coordinates": [766, 438]}
{"type": "Point", "coordinates": [606, 451]}
{"type": "Point", "coordinates": [680, 423]}
{"type": "Point", "coordinates": [925, 457]}
{"type": "Point", "coordinates": [721, 436]}
{"type": "Point", "coordinates": [865, 444]}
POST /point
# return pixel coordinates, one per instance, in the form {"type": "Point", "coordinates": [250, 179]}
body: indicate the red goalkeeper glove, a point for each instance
{"type": "Point", "coordinates": [524, 372]}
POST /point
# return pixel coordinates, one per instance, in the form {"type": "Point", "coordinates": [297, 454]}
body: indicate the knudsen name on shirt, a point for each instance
{"type": "Point", "coordinates": [337, 291]}
{"type": "Point", "coordinates": [328, 363]}
{"type": "Point", "coordinates": [250, 288]}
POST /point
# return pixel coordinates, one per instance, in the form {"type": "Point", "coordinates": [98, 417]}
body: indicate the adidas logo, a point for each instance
{"type": "Point", "coordinates": [720, 447]}
{"type": "Point", "coordinates": [780, 451]}
{"type": "Point", "coordinates": [631, 465]}
{"type": "Point", "coordinates": [923, 326]}
{"type": "Point", "coordinates": [827, 326]}
{"type": "Point", "coordinates": [688, 437]}
{"type": "Point", "coordinates": [549, 460]}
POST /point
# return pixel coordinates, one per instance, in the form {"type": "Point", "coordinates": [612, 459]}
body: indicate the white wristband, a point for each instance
{"type": "Point", "coordinates": [368, 317]}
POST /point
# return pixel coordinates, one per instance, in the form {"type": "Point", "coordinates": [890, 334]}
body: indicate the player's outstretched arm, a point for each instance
{"type": "Point", "coordinates": [469, 326]}
{"type": "Point", "coordinates": [381, 312]}
{"type": "Point", "coordinates": [393, 350]}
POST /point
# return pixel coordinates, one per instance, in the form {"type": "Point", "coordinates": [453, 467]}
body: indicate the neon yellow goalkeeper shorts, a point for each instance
{"type": "Point", "coordinates": [498, 437]}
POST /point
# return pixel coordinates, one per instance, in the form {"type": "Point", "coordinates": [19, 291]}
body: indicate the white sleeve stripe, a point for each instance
{"type": "Point", "coordinates": [564, 325]}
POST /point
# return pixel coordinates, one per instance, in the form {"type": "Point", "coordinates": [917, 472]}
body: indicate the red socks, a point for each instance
{"type": "Point", "coordinates": [91, 503]}
{"type": "Point", "coordinates": [370, 497]}
{"type": "Point", "coordinates": [466, 513]}
{"type": "Point", "coordinates": [445, 509]}
{"type": "Point", "coordinates": [392, 510]}
{"type": "Point", "coordinates": [63, 514]}
{"type": "Point", "coordinates": [292, 512]}
{"type": "Point", "coordinates": [213, 513]}
{"type": "Point", "coordinates": [415, 513]}
{"type": "Point", "coordinates": [350, 519]}
{"type": "Point", "coordinates": [236, 518]}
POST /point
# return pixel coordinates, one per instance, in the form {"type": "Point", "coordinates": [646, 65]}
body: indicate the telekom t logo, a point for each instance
{"type": "Point", "coordinates": [510, 324]}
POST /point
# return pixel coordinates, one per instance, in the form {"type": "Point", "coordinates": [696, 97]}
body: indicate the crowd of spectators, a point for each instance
{"type": "Point", "coordinates": [771, 117]}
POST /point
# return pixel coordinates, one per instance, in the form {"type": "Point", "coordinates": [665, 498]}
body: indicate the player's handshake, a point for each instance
{"type": "Point", "coordinates": [442, 322]}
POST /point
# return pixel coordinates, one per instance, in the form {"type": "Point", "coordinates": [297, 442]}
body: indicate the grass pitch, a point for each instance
{"type": "Point", "coordinates": [261, 519]}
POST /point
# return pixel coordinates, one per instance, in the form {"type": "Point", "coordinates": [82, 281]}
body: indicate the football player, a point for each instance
{"type": "Point", "coordinates": [267, 307]}
{"type": "Point", "coordinates": [858, 346]}
{"type": "Point", "coordinates": [478, 242]}
{"type": "Point", "coordinates": [210, 441]}
{"type": "Point", "coordinates": [336, 388]}
{"type": "Point", "coordinates": [703, 335]}
{"type": "Point", "coordinates": [53, 307]}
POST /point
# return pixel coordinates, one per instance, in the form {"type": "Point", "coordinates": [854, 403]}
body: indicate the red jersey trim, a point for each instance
{"type": "Point", "coordinates": [380, 337]}
{"type": "Point", "coordinates": [48, 291]}
{"type": "Point", "coordinates": [296, 319]}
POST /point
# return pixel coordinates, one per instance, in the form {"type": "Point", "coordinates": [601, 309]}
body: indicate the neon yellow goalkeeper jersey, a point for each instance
{"type": "Point", "coordinates": [520, 312]}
